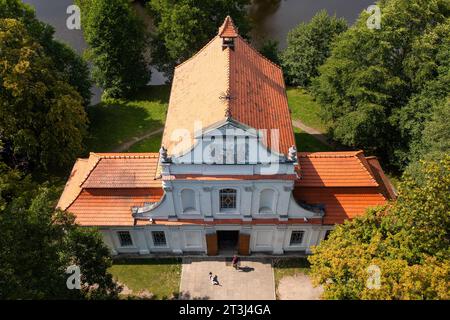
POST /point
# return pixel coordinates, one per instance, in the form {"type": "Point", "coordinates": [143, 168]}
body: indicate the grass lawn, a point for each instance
{"type": "Point", "coordinates": [307, 143]}
{"type": "Point", "coordinates": [115, 121]}
{"type": "Point", "coordinates": [305, 109]}
{"type": "Point", "coordinates": [151, 144]}
{"type": "Point", "coordinates": [159, 276]}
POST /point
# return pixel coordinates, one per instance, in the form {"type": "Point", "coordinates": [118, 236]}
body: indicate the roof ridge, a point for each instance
{"type": "Point", "coordinates": [329, 154]}
{"type": "Point", "coordinates": [226, 25]}
{"type": "Point", "coordinates": [137, 155]}
{"type": "Point", "coordinates": [260, 54]}
{"type": "Point", "coordinates": [365, 164]}
{"type": "Point", "coordinates": [93, 154]}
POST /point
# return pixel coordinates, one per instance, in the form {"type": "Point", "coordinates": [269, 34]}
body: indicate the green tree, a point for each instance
{"type": "Point", "coordinates": [70, 65]}
{"type": "Point", "coordinates": [117, 45]}
{"type": "Point", "coordinates": [407, 241]}
{"type": "Point", "coordinates": [39, 243]}
{"type": "Point", "coordinates": [42, 118]}
{"type": "Point", "coordinates": [308, 46]}
{"type": "Point", "coordinates": [372, 74]}
{"type": "Point", "coordinates": [184, 27]}
{"type": "Point", "coordinates": [269, 49]}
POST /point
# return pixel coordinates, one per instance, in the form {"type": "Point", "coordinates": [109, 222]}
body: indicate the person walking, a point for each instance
{"type": "Point", "coordinates": [235, 262]}
{"type": "Point", "coordinates": [214, 279]}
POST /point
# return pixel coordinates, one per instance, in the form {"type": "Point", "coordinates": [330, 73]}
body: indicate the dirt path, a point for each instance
{"type": "Point", "coordinates": [315, 133]}
{"type": "Point", "coordinates": [298, 287]}
{"type": "Point", "coordinates": [128, 144]}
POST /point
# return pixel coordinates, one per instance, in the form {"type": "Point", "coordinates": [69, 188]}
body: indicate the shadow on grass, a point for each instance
{"type": "Point", "coordinates": [308, 143]}
{"type": "Point", "coordinates": [284, 263]}
{"type": "Point", "coordinates": [115, 121]}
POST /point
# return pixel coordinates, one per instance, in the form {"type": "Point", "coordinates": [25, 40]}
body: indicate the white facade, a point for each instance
{"type": "Point", "coordinates": [270, 239]}
{"type": "Point", "coordinates": [252, 200]}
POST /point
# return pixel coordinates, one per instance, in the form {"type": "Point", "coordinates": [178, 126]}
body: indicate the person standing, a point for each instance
{"type": "Point", "coordinates": [235, 261]}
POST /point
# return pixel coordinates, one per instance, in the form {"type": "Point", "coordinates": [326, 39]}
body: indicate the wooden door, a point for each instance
{"type": "Point", "coordinates": [244, 244]}
{"type": "Point", "coordinates": [211, 244]}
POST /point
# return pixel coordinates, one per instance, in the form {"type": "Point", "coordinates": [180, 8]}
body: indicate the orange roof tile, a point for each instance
{"type": "Point", "coordinates": [124, 171]}
{"type": "Point", "coordinates": [334, 169]}
{"type": "Point", "coordinates": [111, 207]}
{"type": "Point", "coordinates": [110, 170]}
{"type": "Point", "coordinates": [228, 29]}
{"type": "Point", "coordinates": [218, 82]}
{"type": "Point", "coordinates": [72, 188]}
{"type": "Point", "coordinates": [341, 203]}
{"type": "Point", "coordinates": [385, 184]}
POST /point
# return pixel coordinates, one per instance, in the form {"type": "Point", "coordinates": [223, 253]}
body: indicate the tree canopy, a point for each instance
{"type": "Point", "coordinates": [308, 46]}
{"type": "Point", "coordinates": [407, 243]}
{"type": "Point", "coordinates": [71, 66]}
{"type": "Point", "coordinates": [379, 87]}
{"type": "Point", "coordinates": [42, 117]}
{"type": "Point", "coordinates": [184, 27]}
{"type": "Point", "coordinates": [38, 243]}
{"type": "Point", "coordinates": [117, 42]}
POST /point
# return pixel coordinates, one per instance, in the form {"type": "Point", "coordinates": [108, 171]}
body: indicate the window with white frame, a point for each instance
{"type": "Point", "coordinates": [125, 238]}
{"type": "Point", "coordinates": [266, 199]}
{"type": "Point", "coordinates": [159, 238]}
{"type": "Point", "coordinates": [296, 238]}
{"type": "Point", "coordinates": [227, 199]}
{"type": "Point", "coordinates": [327, 234]}
{"type": "Point", "coordinates": [188, 200]}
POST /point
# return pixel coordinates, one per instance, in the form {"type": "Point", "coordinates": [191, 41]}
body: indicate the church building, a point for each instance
{"type": "Point", "coordinates": [228, 177]}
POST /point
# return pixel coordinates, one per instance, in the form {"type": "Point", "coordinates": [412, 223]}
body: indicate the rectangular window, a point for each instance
{"type": "Point", "coordinates": [327, 234]}
{"type": "Point", "coordinates": [296, 238]}
{"type": "Point", "coordinates": [159, 238]}
{"type": "Point", "coordinates": [227, 199]}
{"type": "Point", "coordinates": [125, 238]}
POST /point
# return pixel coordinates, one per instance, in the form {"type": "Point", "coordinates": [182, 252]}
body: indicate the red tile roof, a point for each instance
{"type": "Point", "coordinates": [111, 207]}
{"type": "Point", "coordinates": [237, 82]}
{"type": "Point", "coordinates": [334, 169]}
{"type": "Point", "coordinates": [228, 29]}
{"type": "Point", "coordinates": [345, 183]}
{"type": "Point", "coordinates": [119, 171]}
{"type": "Point", "coordinates": [259, 95]}
{"type": "Point", "coordinates": [102, 189]}
{"type": "Point", "coordinates": [341, 203]}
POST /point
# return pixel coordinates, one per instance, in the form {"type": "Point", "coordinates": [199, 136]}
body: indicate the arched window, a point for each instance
{"type": "Point", "coordinates": [227, 199]}
{"type": "Point", "coordinates": [188, 200]}
{"type": "Point", "coordinates": [266, 200]}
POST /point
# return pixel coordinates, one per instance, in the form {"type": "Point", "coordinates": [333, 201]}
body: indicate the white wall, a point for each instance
{"type": "Point", "coordinates": [191, 239]}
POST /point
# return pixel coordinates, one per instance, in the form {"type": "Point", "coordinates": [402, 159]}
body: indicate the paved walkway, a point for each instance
{"type": "Point", "coordinates": [255, 280]}
{"type": "Point", "coordinates": [298, 287]}
{"type": "Point", "coordinates": [128, 144]}
{"type": "Point", "coordinates": [315, 133]}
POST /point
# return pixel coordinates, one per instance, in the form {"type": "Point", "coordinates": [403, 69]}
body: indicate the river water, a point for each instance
{"type": "Point", "coordinates": [272, 20]}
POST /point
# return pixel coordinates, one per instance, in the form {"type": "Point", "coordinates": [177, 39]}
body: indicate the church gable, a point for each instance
{"type": "Point", "coordinates": [230, 142]}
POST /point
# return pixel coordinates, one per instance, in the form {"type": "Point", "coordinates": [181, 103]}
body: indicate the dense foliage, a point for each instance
{"type": "Point", "coordinates": [382, 88]}
{"type": "Point", "coordinates": [117, 45]}
{"type": "Point", "coordinates": [42, 117]}
{"type": "Point", "coordinates": [269, 49]}
{"type": "Point", "coordinates": [184, 27]}
{"type": "Point", "coordinates": [408, 242]}
{"type": "Point", "coordinates": [38, 244]}
{"type": "Point", "coordinates": [71, 67]}
{"type": "Point", "coordinates": [308, 46]}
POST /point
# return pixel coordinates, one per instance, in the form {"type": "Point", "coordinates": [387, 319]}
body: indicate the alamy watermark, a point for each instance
{"type": "Point", "coordinates": [374, 21]}
{"type": "Point", "coordinates": [374, 279]}
{"type": "Point", "coordinates": [74, 280]}
{"type": "Point", "coordinates": [73, 22]}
